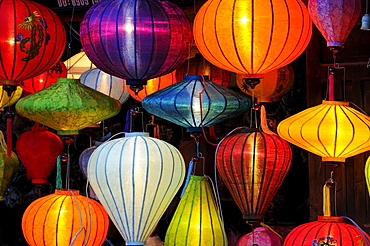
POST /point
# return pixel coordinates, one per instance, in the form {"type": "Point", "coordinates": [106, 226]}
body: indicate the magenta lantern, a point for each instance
{"type": "Point", "coordinates": [335, 19]}
{"type": "Point", "coordinates": [261, 236]}
{"type": "Point", "coordinates": [136, 40]}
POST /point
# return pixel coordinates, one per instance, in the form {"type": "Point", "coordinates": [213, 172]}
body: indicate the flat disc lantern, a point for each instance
{"type": "Point", "coordinates": [136, 40]}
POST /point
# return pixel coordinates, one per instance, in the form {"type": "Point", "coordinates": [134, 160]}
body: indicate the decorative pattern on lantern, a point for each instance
{"type": "Point", "coordinates": [154, 85]}
{"type": "Point", "coordinates": [197, 220]}
{"type": "Point", "coordinates": [261, 236]}
{"type": "Point", "coordinates": [45, 79]}
{"type": "Point", "coordinates": [38, 150]}
{"type": "Point", "coordinates": [106, 84]}
{"type": "Point", "coordinates": [135, 178]}
{"type": "Point", "coordinates": [195, 102]}
{"type": "Point", "coordinates": [332, 130]}
{"type": "Point", "coordinates": [4, 99]}
{"type": "Point", "coordinates": [334, 19]}
{"type": "Point", "coordinates": [327, 230]}
{"type": "Point", "coordinates": [68, 106]}
{"type": "Point", "coordinates": [65, 218]}
{"type": "Point", "coordinates": [273, 84]}
{"type": "Point", "coordinates": [253, 165]}
{"type": "Point", "coordinates": [157, 37]}
{"type": "Point", "coordinates": [9, 165]}
{"type": "Point", "coordinates": [77, 65]}
{"type": "Point", "coordinates": [33, 40]}
{"type": "Point", "coordinates": [252, 37]}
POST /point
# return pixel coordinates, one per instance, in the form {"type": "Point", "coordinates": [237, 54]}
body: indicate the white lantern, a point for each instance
{"type": "Point", "coordinates": [105, 83]}
{"type": "Point", "coordinates": [135, 179]}
{"type": "Point", "coordinates": [78, 64]}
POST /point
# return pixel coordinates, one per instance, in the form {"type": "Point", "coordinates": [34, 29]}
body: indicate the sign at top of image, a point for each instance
{"type": "Point", "coordinates": [75, 3]}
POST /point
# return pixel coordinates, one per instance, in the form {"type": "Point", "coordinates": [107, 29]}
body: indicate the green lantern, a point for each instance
{"type": "Point", "coordinates": [8, 167]}
{"type": "Point", "coordinates": [197, 220]}
{"type": "Point", "coordinates": [68, 106]}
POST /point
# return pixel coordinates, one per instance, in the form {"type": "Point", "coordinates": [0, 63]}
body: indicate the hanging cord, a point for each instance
{"type": "Point", "coordinates": [59, 183]}
{"type": "Point", "coordinates": [359, 228]}
{"type": "Point", "coordinates": [133, 112]}
{"type": "Point", "coordinates": [68, 167]}
{"type": "Point", "coordinates": [82, 228]}
{"type": "Point", "coordinates": [216, 196]}
{"type": "Point", "coordinates": [272, 230]}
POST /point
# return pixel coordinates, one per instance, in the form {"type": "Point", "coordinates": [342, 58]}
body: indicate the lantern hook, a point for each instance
{"type": "Point", "coordinates": [134, 112]}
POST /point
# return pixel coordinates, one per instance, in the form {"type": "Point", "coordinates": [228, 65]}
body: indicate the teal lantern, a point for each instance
{"type": "Point", "coordinates": [196, 102]}
{"type": "Point", "coordinates": [68, 106]}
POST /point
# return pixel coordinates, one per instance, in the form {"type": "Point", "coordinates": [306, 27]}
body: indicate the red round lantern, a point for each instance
{"type": "Point", "coordinates": [253, 165]}
{"type": "Point", "coordinates": [45, 79]}
{"type": "Point", "coordinates": [38, 150]}
{"type": "Point", "coordinates": [32, 40]}
{"type": "Point", "coordinates": [261, 236]}
{"type": "Point", "coordinates": [328, 230]}
{"type": "Point", "coordinates": [65, 218]}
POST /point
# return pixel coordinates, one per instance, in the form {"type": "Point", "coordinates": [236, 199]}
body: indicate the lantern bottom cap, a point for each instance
{"type": "Point", "coordinates": [135, 243]}
{"type": "Point", "coordinates": [9, 82]}
{"type": "Point", "coordinates": [39, 181]}
{"type": "Point", "coordinates": [333, 159]}
{"type": "Point", "coordinates": [67, 132]}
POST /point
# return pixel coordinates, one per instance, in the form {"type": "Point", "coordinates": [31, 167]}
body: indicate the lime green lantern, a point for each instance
{"type": "Point", "coordinates": [197, 220]}
{"type": "Point", "coordinates": [68, 106]}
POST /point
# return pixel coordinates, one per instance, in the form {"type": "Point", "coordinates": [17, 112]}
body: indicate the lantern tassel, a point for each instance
{"type": "Point", "coordinates": [326, 200]}
{"type": "Point", "coordinates": [331, 84]}
{"type": "Point", "coordinates": [190, 169]}
{"type": "Point", "coordinates": [9, 136]}
{"type": "Point", "coordinates": [59, 183]}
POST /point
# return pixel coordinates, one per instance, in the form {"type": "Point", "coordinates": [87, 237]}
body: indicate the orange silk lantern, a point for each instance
{"type": "Point", "coordinates": [274, 84]}
{"type": "Point", "coordinates": [154, 85]}
{"type": "Point", "coordinates": [65, 218]}
{"type": "Point", "coordinates": [252, 37]}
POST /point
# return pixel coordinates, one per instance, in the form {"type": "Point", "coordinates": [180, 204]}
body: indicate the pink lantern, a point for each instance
{"type": "Point", "coordinates": [260, 236]}
{"type": "Point", "coordinates": [335, 19]}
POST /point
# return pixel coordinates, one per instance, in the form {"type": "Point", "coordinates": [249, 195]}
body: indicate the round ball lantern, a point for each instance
{"type": "Point", "coordinates": [261, 236]}
{"type": "Point", "coordinates": [335, 19]}
{"type": "Point", "coordinates": [65, 218]}
{"type": "Point", "coordinates": [253, 165]}
{"type": "Point", "coordinates": [327, 230]}
{"type": "Point", "coordinates": [252, 37]}
{"type": "Point", "coordinates": [5, 101]}
{"type": "Point", "coordinates": [135, 178]}
{"type": "Point", "coordinates": [136, 40]}
{"type": "Point", "coordinates": [32, 40]}
{"type": "Point", "coordinates": [274, 84]}
{"type": "Point", "coordinates": [38, 150]}
{"type": "Point", "coordinates": [106, 84]}
{"type": "Point", "coordinates": [45, 79]}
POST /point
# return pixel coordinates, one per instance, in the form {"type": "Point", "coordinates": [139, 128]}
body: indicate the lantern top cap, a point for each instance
{"type": "Point", "coordinates": [67, 192]}
{"type": "Point", "coordinates": [65, 80]}
{"type": "Point", "coordinates": [340, 103]}
{"type": "Point", "coordinates": [331, 219]}
{"type": "Point", "coordinates": [137, 134]}
{"type": "Point", "coordinates": [200, 178]}
{"type": "Point", "coordinates": [261, 228]}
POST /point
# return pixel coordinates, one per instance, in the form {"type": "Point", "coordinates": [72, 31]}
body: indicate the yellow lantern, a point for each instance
{"type": "Point", "coordinates": [5, 101]}
{"type": "Point", "coordinates": [197, 219]}
{"type": "Point", "coordinates": [332, 130]}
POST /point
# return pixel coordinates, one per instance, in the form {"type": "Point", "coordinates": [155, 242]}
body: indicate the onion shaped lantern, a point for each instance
{"type": "Point", "coordinates": [45, 79]}
{"type": "Point", "coordinates": [135, 178]}
{"type": "Point", "coordinates": [197, 220]}
{"type": "Point", "coordinates": [261, 236]}
{"type": "Point", "coordinates": [253, 165]}
{"type": "Point", "coordinates": [105, 83]}
{"type": "Point", "coordinates": [136, 40]}
{"type": "Point", "coordinates": [252, 37]}
{"type": "Point", "coordinates": [5, 101]}
{"type": "Point", "coordinates": [327, 230]}
{"type": "Point", "coordinates": [65, 218]}
{"type": "Point", "coordinates": [335, 19]}
{"type": "Point", "coordinates": [32, 40]}
{"type": "Point", "coordinates": [38, 150]}
{"type": "Point", "coordinates": [332, 130]}
{"type": "Point", "coordinates": [195, 102]}
{"type": "Point", "coordinates": [68, 106]}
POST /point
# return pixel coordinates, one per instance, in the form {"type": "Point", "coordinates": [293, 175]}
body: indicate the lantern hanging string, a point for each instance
{"type": "Point", "coordinates": [9, 130]}
{"type": "Point", "coordinates": [216, 196]}
{"type": "Point", "coordinates": [82, 228]}
{"type": "Point", "coordinates": [264, 225]}
{"type": "Point", "coordinates": [59, 183]}
{"type": "Point", "coordinates": [360, 229]}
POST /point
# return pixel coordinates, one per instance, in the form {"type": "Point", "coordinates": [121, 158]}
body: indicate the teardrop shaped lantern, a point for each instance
{"type": "Point", "coordinates": [45, 79]}
{"type": "Point", "coordinates": [5, 101]}
{"type": "Point", "coordinates": [65, 218]}
{"type": "Point", "coordinates": [327, 230]}
{"type": "Point", "coordinates": [106, 84]}
{"type": "Point", "coordinates": [252, 37]}
{"type": "Point", "coordinates": [38, 150]}
{"type": "Point", "coordinates": [32, 40]}
{"type": "Point", "coordinates": [332, 130]}
{"type": "Point", "coordinates": [67, 106]}
{"type": "Point", "coordinates": [135, 178]}
{"type": "Point", "coordinates": [77, 65]}
{"type": "Point", "coordinates": [195, 102]}
{"type": "Point", "coordinates": [136, 40]}
{"type": "Point", "coordinates": [367, 174]}
{"type": "Point", "coordinates": [261, 236]}
{"type": "Point", "coordinates": [253, 165]}
{"type": "Point", "coordinates": [335, 19]}
{"type": "Point", "coordinates": [197, 220]}
{"type": "Point", "coordinates": [274, 84]}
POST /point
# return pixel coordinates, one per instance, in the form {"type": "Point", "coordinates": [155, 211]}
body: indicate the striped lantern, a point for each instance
{"type": "Point", "coordinates": [135, 178]}
{"type": "Point", "coordinates": [252, 37]}
{"type": "Point", "coordinates": [327, 230]}
{"type": "Point", "coordinates": [253, 165]}
{"type": "Point", "coordinates": [332, 130]}
{"type": "Point", "coordinates": [105, 83]}
{"type": "Point", "coordinates": [65, 218]}
{"type": "Point", "coordinates": [197, 219]}
{"type": "Point", "coordinates": [195, 102]}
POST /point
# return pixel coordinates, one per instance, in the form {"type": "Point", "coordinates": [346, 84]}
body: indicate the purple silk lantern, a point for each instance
{"type": "Point", "coordinates": [335, 19]}
{"type": "Point", "coordinates": [136, 40]}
